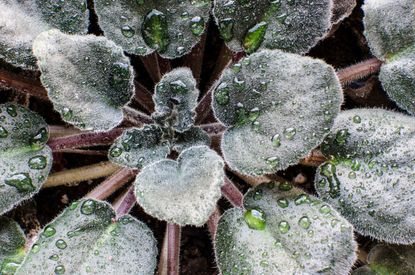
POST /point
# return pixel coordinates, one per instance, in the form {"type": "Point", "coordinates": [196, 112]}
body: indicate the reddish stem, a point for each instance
{"type": "Point", "coordinates": [125, 203]}
{"type": "Point", "coordinates": [85, 140]}
{"type": "Point", "coordinates": [359, 71]}
{"type": "Point", "coordinates": [194, 60]}
{"type": "Point", "coordinates": [151, 64]}
{"type": "Point", "coordinates": [136, 117]}
{"type": "Point", "coordinates": [173, 248]}
{"type": "Point", "coordinates": [112, 184]}
{"type": "Point", "coordinates": [232, 193]}
{"type": "Point", "coordinates": [314, 159]}
{"type": "Point", "coordinates": [212, 223]}
{"type": "Point", "coordinates": [144, 97]}
{"type": "Point", "coordinates": [23, 84]}
{"type": "Point", "coordinates": [204, 107]}
{"type": "Point", "coordinates": [213, 129]}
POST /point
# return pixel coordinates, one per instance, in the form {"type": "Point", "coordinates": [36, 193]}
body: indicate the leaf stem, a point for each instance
{"type": "Point", "coordinates": [61, 131]}
{"type": "Point", "coordinates": [22, 84]}
{"type": "Point", "coordinates": [71, 176]}
{"type": "Point", "coordinates": [84, 140]}
{"type": "Point", "coordinates": [213, 129]}
{"type": "Point", "coordinates": [314, 159]}
{"type": "Point", "coordinates": [144, 97]}
{"type": "Point", "coordinates": [112, 184]}
{"type": "Point", "coordinates": [359, 71]}
{"type": "Point", "coordinates": [125, 202]}
{"type": "Point", "coordinates": [232, 193]}
{"type": "Point", "coordinates": [212, 223]}
{"type": "Point", "coordinates": [151, 63]}
{"type": "Point", "coordinates": [136, 117]}
{"type": "Point", "coordinates": [173, 248]}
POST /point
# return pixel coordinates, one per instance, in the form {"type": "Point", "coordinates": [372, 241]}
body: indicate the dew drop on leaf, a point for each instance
{"type": "Point", "coordinates": [255, 219]}
{"type": "Point", "coordinates": [127, 31]}
{"type": "Point", "coordinates": [88, 207]}
{"type": "Point", "coordinates": [254, 37]}
{"type": "Point", "coordinates": [3, 132]}
{"type": "Point", "coordinates": [304, 222]}
{"type": "Point", "coordinates": [49, 231]}
{"type": "Point", "coordinates": [61, 244]}
{"type": "Point", "coordinates": [197, 25]}
{"type": "Point", "coordinates": [21, 181]}
{"type": "Point", "coordinates": [155, 31]}
{"type": "Point", "coordinates": [284, 227]}
{"type": "Point", "coordinates": [38, 162]}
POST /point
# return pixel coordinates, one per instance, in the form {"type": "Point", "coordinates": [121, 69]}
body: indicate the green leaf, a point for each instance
{"type": "Point", "coordinates": [185, 191]}
{"type": "Point", "coordinates": [398, 79]}
{"type": "Point", "coordinates": [25, 160]}
{"type": "Point", "coordinates": [389, 26]}
{"type": "Point", "coordinates": [86, 239]}
{"type": "Point", "coordinates": [191, 138]}
{"type": "Point", "coordinates": [170, 27]}
{"type": "Point", "coordinates": [12, 242]}
{"type": "Point", "coordinates": [370, 175]}
{"type": "Point", "coordinates": [22, 20]}
{"type": "Point", "coordinates": [278, 106]}
{"type": "Point", "coordinates": [175, 98]}
{"type": "Point", "coordinates": [139, 147]}
{"type": "Point", "coordinates": [88, 78]}
{"type": "Point", "coordinates": [293, 26]}
{"type": "Point", "coordinates": [282, 230]}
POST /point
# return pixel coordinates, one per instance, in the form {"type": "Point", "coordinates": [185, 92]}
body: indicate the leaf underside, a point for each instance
{"type": "Point", "coordinates": [12, 241]}
{"type": "Point", "coordinates": [370, 176]}
{"type": "Point", "coordinates": [25, 160]}
{"type": "Point", "coordinates": [85, 239]}
{"type": "Point", "coordinates": [279, 106]}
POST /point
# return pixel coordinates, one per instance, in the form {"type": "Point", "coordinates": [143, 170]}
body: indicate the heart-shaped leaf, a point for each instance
{"type": "Point", "coordinates": [22, 20]}
{"type": "Point", "coordinates": [175, 99]}
{"type": "Point", "coordinates": [170, 27]}
{"type": "Point", "coordinates": [283, 231]}
{"type": "Point", "coordinates": [139, 147]}
{"type": "Point", "coordinates": [25, 160]}
{"type": "Point", "coordinates": [370, 175]}
{"type": "Point", "coordinates": [279, 106]}
{"type": "Point", "coordinates": [85, 239]}
{"type": "Point", "coordinates": [191, 138]}
{"type": "Point", "coordinates": [88, 78]}
{"type": "Point", "coordinates": [293, 26]}
{"type": "Point", "coordinates": [386, 259]}
{"type": "Point", "coordinates": [185, 191]}
{"type": "Point", "coordinates": [12, 241]}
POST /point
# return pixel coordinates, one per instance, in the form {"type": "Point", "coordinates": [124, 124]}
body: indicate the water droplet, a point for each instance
{"type": "Point", "coordinates": [285, 186]}
{"type": "Point", "coordinates": [73, 205]}
{"type": "Point", "coordinates": [257, 194]}
{"type": "Point", "coordinates": [283, 203]}
{"type": "Point", "coordinates": [276, 140]}
{"type": "Point", "coordinates": [35, 248]}
{"type": "Point", "coordinates": [178, 87]}
{"type": "Point", "coordinates": [226, 29]}
{"type": "Point", "coordinates": [254, 37]}
{"type": "Point", "coordinates": [67, 113]}
{"type": "Point", "coordinates": [60, 269]}
{"type": "Point", "coordinates": [119, 75]}
{"type": "Point", "coordinates": [222, 94]}
{"type": "Point", "coordinates": [127, 31]}
{"type": "Point", "coordinates": [304, 222]}
{"type": "Point", "coordinates": [61, 244]}
{"type": "Point", "coordinates": [302, 199]}
{"type": "Point", "coordinates": [49, 231]}
{"type": "Point", "coordinates": [39, 139]}
{"type": "Point", "coordinates": [325, 209]}
{"type": "Point", "coordinates": [88, 207]}
{"type": "Point", "coordinates": [116, 152]}
{"type": "Point", "coordinates": [11, 110]}
{"type": "Point", "coordinates": [255, 219]}
{"type": "Point", "coordinates": [357, 119]}
{"type": "Point", "coordinates": [3, 132]}
{"type": "Point", "coordinates": [284, 227]}
{"type": "Point", "coordinates": [352, 175]}
{"type": "Point", "coordinates": [155, 31]}
{"type": "Point", "coordinates": [197, 25]}
{"type": "Point", "coordinates": [54, 257]}
{"type": "Point", "coordinates": [289, 133]}
{"type": "Point", "coordinates": [21, 181]}
{"type": "Point", "coordinates": [37, 162]}
{"type": "Point", "coordinates": [355, 165]}
{"type": "Point", "coordinates": [263, 263]}
{"type": "Point", "coordinates": [272, 161]}
{"type": "Point", "coordinates": [341, 136]}
{"type": "Point", "coordinates": [8, 267]}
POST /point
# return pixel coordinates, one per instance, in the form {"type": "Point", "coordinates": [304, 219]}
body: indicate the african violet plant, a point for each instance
{"type": "Point", "coordinates": [273, 108]}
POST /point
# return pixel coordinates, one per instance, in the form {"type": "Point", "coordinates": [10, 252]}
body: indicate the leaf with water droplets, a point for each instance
{"type": "Point", "coordinates": [25, 160]}
{"type": "Point", "coordinates": [191, 138]}
{"type": "Point", "coordinates": [293, 26]}
{"type": "Point", "coordinates": [370, 176]}
{"type": "Point", "coordinates": [389, 259]}
{"type": "Point", "coordinates": [175, 98]}
{"type": "Point", "coordinates": [185, 191]}
{"type": "Point", "coordinates": [139, 147]}
{"type": "Point", "coordinates": [21, 21]}
{"type": "Point", "coordinates": [88, 78]}
{"type": "Point", "coordinates": [283, 230]}
{"type": "Point", "coordinates": [170, 27]}
{"type": "Point", "coordinates": [86, 239]}
{"type": "Point", "coordinates": [12, 241]}
{"type": "Point", "coordinates": [278, 107]}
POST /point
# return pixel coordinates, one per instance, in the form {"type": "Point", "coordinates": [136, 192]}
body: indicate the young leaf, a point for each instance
{"type": "Point", "coordinates": [191, 138]}
{"type": "Point", "coordinates": [279, 106]}
{"type": "Point", "coordinates": [185, 191]}
{"type": "Point", "coordinates": [12, 241]}
{"type": "Point", "coordinates": [85, 239]}
{"type": "Point", "coordinates": [370, 175]}
{"type": "Point", "coordinates": [282, 230]}
{"type": "Point", "coordinates": [139, 147]}
{"type": "Point", "coordinates": [88, 78]}
{"type": "Point", "coordinates": [389, 26]}
{"type": "Point", "coordinates": [25, 160]}
{"type": "Point", "coordinates": [293, 26]}
{"type": "Point", "coordinates": [21, 21]}
{"type": "Point", "coordinates": [390, 259]}
{"type": "Point", "coordinates": [175, 99]}
{"type": "Point", "coordinates": [170, 27]}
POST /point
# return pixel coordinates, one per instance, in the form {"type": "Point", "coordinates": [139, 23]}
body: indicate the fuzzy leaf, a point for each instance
{"type": "Point", "coordinates": [170, 27]}
{"type": "Point", "coordinates": [284, 231]}
{"type": "Point", "coordinates": [191, 138]}
{"type": "Point", "coordinates": [389, 26]}
{"type": "Point", "coordinates": [398, 79]}
{"type": "Point", "coordinates": [293, 26]}
{"type": "Point", "coordinates": [88, 78]}
{"type": "Point", "coordinates": [371, 173]}
{"type": "Point", "coordinates": [342, 9]}
{"type": "Point", "coordinates": [279, 106]}
{"type": "Point", "coordinates": [25, 160]}
{"type": "Point", "coordinates": [175, 98]}
{"type": "Point", "coordinates": [185, 191]}
{"type": "Point", "coordinates": [85, 239]}
{"type": "Point", "coordinates": [139, 147]}
{"type": "Point", "coordinates": [393, 259]}
{"type": "Point", "coordinates": [12, 242]}
{"type": "Point", "coordinates": [22, 20]}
